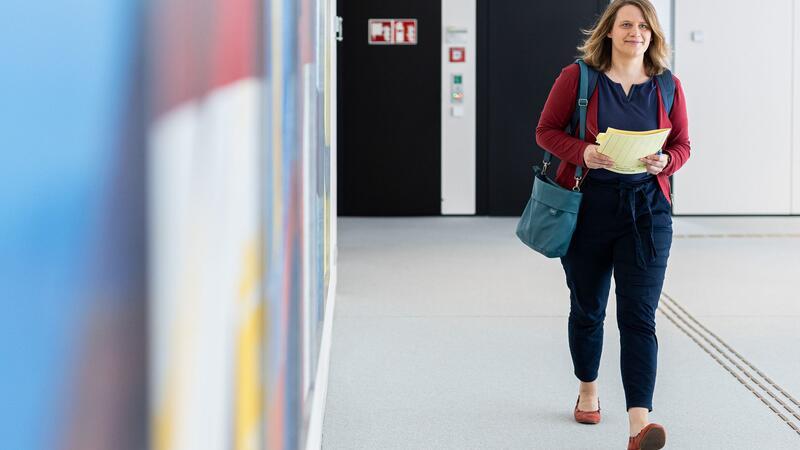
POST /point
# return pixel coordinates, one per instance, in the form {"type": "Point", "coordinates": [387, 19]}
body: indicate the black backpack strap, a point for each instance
{"type": "Point", "coordinates": [667, 86]}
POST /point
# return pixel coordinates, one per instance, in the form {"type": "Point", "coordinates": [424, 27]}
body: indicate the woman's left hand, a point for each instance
{"type": "Point", "coordinates": [654, 163]}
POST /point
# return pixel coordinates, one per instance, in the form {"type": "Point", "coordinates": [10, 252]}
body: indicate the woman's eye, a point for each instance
{"type": "Point", "coordinates": [643, 26]}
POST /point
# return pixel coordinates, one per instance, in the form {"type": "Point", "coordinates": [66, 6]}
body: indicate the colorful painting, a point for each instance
{"type": "Point", "coordinates": [240, 220]}
{"type": "Point", "coordinates": [72, 229]}
{"type": "Point", "coordinates": [167, 229]}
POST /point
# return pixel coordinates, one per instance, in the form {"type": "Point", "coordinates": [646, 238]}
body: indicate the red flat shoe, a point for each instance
{"type": "Point", "coordinates": [652, 437]}
{"type": "Point", "coordinates": [587, 417]}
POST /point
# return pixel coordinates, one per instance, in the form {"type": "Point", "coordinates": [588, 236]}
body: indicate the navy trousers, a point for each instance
{"type": "Point", "coordinates": [625, 227]}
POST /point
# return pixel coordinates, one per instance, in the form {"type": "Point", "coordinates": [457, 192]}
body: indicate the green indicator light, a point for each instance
{"type": "Point", "coordinates": [457, 79]}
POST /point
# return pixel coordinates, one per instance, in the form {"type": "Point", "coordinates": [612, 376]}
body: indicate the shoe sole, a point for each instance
{"type": "Point", "coordinates": [587, 422]}
{"type": "Point", "coordinates": [654, 439]}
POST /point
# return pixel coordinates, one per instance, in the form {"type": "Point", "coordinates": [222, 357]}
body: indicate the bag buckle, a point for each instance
{"type": "Point", "coordinates": [545, 164]}
{"type": "Point", "coordinates": [583, 102]}
{"type": "Point", "coordinates": [577, 187]}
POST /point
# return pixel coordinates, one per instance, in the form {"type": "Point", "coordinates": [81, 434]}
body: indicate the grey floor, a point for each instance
{"type": "Point", "coordinates": [448, 333]}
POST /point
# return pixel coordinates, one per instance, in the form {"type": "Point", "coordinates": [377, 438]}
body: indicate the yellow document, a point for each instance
{"type": "Point", "coordinates": [626, 147]}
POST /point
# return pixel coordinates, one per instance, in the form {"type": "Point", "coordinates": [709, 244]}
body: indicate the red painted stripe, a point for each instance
{"type": "Point", "coordinates": [234, 41]}
{"type": "Point", "coordinates": [172, 78]}
{"type": "Point", "coordinates": [201, 45]}
{"type": "Point", "coordinates": [305, 32]}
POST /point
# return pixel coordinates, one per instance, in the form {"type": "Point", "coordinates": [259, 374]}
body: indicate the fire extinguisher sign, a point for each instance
{"type": "Point", "coordinates": [392, 31]}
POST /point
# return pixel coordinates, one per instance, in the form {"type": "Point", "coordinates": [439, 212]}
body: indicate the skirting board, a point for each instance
{"type": "Point", "coordinates": [314, 435]}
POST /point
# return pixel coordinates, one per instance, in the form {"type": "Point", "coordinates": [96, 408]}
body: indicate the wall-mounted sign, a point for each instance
{"type": "Point", "coordinates": [392, 31]}
{"type": "Point", "coordinates": [456, 35]}
{"type": "Point", "coordinates": [456, 89]}
{"type": "Point", "coordinates": [457, 54]}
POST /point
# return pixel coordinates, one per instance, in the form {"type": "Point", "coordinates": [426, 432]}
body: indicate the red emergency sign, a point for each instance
{"type": "Point", "coordinates": [457, 54]}
{"type": "Point", "coordinates": [392, 31]}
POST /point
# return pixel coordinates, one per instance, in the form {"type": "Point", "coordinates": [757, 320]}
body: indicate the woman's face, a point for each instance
{"type": "Point", "coordinates": [631, 34]}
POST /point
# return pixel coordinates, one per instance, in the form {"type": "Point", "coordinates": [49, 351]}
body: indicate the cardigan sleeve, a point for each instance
{"type": "Point", "coordinates": [678, 145]}
{"type": "Point", "coordinates": [556, 115]}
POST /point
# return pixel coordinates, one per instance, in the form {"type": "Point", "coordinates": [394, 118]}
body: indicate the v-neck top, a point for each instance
{"type": "Point", "coordinates": [636, 111]}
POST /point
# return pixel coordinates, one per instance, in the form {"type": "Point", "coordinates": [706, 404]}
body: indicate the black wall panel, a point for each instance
{"type": "Point", "coordinates": [522, 47]}
{"type": "Point", "coordinates": [389, 119]}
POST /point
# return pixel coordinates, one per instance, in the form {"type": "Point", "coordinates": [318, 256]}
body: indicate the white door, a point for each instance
{"type": "Point", "coordinates": [735, 61]}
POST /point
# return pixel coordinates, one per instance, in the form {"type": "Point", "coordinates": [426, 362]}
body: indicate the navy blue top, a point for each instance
{"type": "Point", "coordinates": [637, 111]}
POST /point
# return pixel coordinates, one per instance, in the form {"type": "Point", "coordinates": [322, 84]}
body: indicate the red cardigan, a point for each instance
{"type": "Point", "coordinates": [557, 113]}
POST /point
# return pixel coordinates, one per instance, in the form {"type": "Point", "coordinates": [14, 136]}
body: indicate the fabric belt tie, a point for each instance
{"type": "Point", "coordinates": [627, 196]}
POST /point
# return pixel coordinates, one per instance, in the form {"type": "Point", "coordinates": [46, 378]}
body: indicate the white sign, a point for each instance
{"type": "Point", "coordinates": [455, 35]}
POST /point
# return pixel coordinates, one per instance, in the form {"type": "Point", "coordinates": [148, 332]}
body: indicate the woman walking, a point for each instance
{"type": "Point", "coordinates": [624, 223]}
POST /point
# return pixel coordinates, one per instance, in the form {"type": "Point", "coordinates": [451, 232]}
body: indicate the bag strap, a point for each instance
{"type": "Point", "coordinates": [591, 75]}
{"type": "Point", "coordinates": [586, 86]}
{"type": "Point", "coordinates": [667, 86]}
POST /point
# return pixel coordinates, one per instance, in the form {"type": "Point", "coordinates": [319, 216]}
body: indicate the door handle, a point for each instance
{"type": "Point", "coordinates": [339, 29]}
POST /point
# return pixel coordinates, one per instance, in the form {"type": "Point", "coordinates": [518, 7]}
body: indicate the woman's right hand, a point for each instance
{"type": "Point", "coordinates": [595, 160]}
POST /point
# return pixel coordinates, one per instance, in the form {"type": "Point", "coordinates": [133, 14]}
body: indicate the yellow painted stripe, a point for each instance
{"type": "Point", "coordinates": [249, 387]}
{"type": "Point", "coordinates": [162, 422]}
{"type": "Point", "coordinates": [251, 273]}
{"type": "Point", "coordinates": [164, 419]}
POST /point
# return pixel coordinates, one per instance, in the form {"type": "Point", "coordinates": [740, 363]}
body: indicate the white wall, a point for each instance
{"type": "Point", "coordinates": [796, 113]}
{"type": "Point", "coordinates": [458, 133]}
{"type": "Point", "coordinates": [741, 83]}
{"type": "Point", "coordinates": [664, 11]}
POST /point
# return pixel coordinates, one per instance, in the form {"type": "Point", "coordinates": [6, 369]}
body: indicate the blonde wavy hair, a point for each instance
{"type": "Point", "coordinates": [596, 49]}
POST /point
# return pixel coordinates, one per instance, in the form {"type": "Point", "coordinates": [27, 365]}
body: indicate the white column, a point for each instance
{"type": "Point", "coordinates": [458, 117]}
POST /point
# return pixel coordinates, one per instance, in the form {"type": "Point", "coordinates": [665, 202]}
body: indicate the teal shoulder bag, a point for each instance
{"type": "Point", "coordinates": [551, 214]}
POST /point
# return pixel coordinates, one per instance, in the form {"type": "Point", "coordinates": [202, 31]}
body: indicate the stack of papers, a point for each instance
{"type": "Point", "coordinates": [626, 147]}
